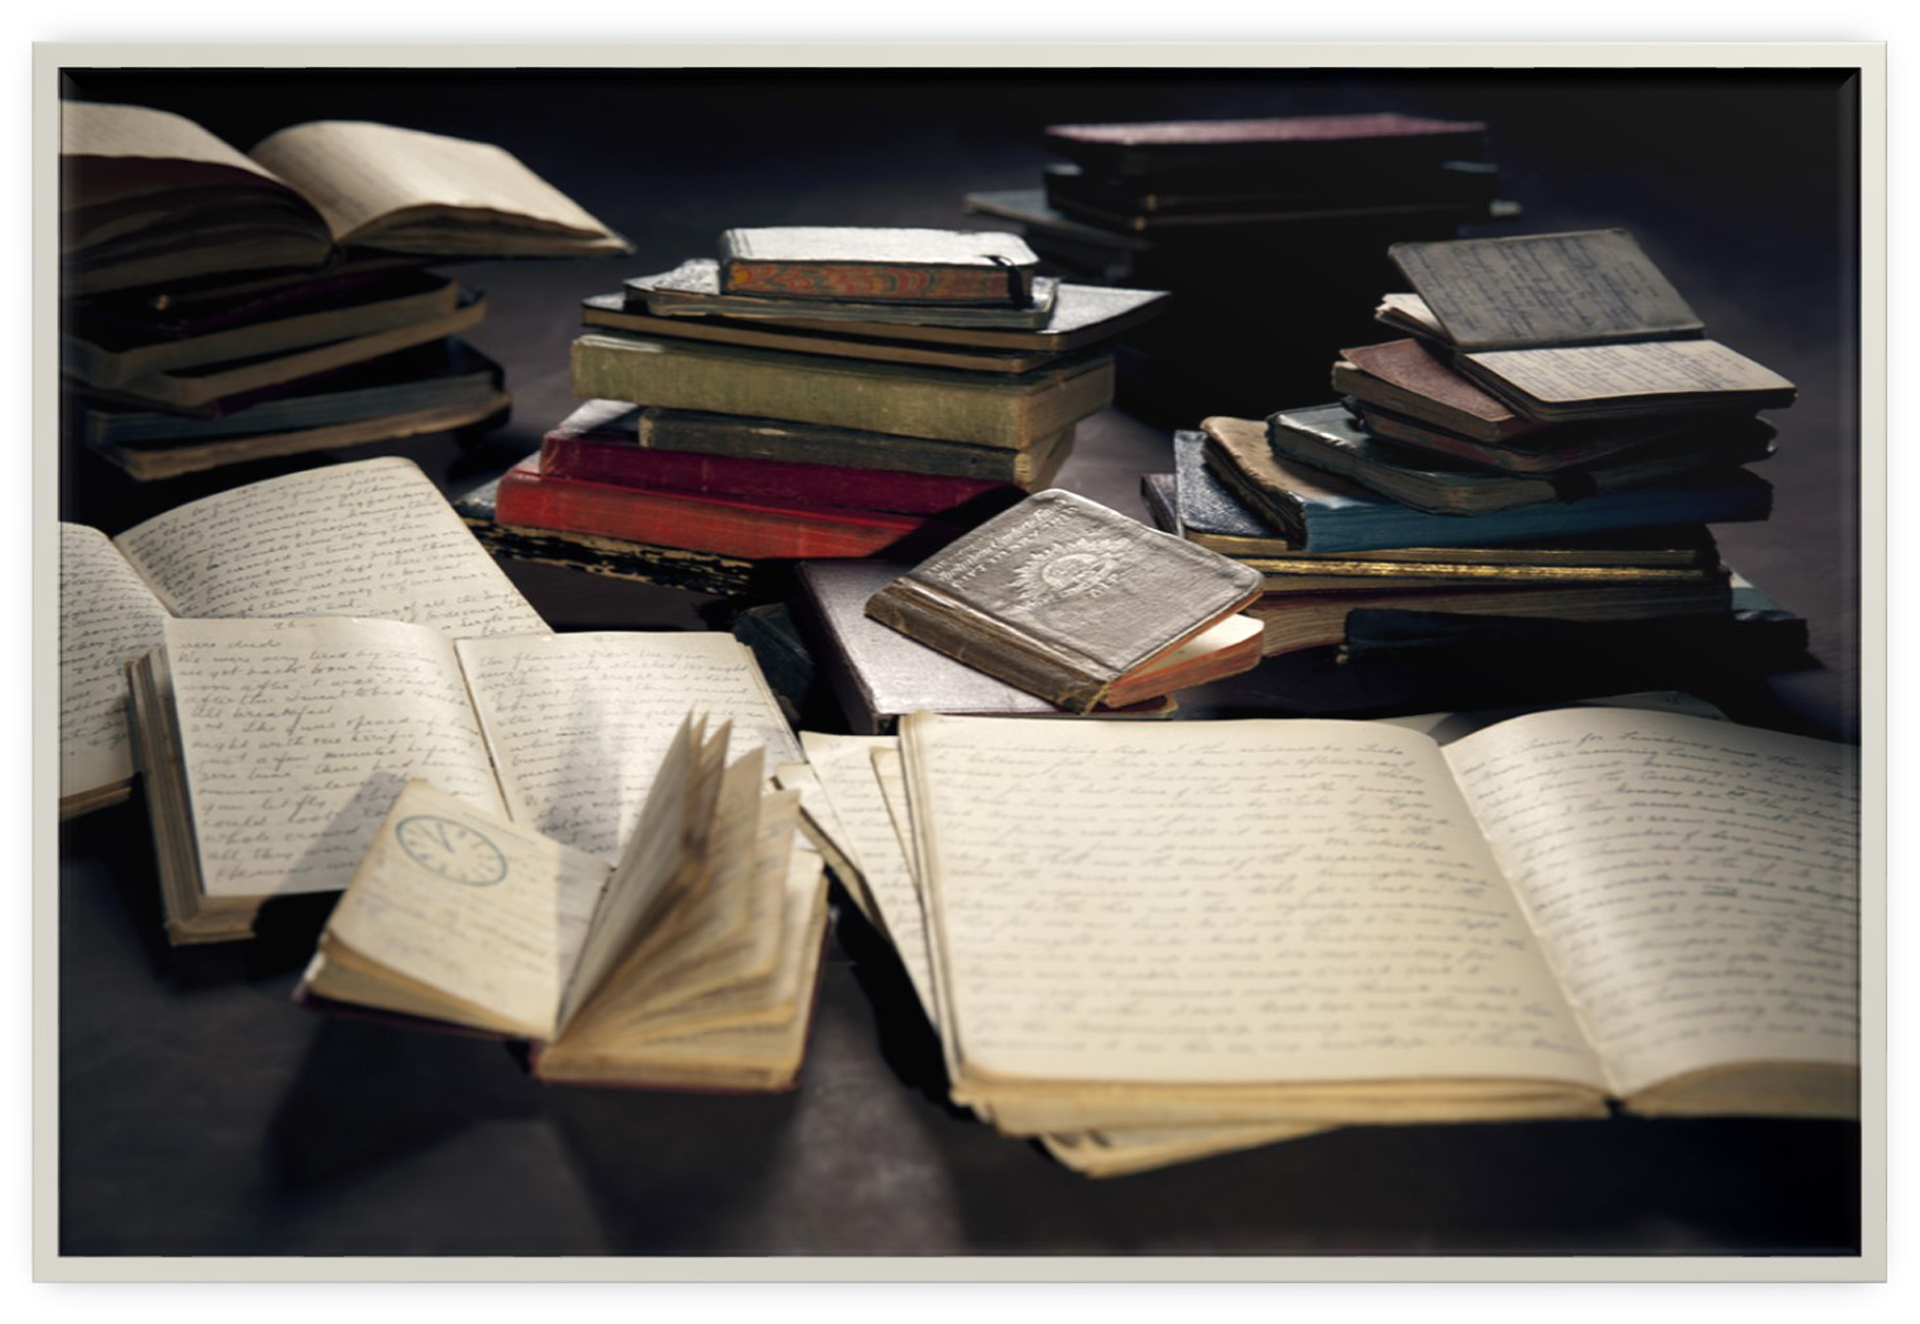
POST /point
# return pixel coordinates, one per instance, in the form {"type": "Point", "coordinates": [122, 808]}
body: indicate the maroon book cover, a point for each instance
{"type": "Point", "coordinates": [751, 530]}
{"type": "Point", "coordinates": [598, 443]}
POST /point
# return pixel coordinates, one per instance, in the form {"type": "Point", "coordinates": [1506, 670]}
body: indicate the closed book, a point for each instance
{"type": "Point", "coordinates": [1209, 514]}
{"type": "Point", "coordinates": [1328, 438]}
{"type": "Point", "coordinates": [1409, 378]}
{"type": "Point", "coordinates": [1235, 193]}
{"type": "Point", "coordinates": [1567, 383]}
{"type": "Point", "coordinates": [1071, 601]}
{"type": "Point", "coordinates": [850, 448]}
{"type": "Point", "coordinates": [1060, 318]}
{"type": "Point", "coordinates": [1011, 412]}
{"type": "Point", "coordinates": [1322, 512]}
{"type": "Point", "coordinates": [1301, 143]}
{"type": "Point", "coordinates": [1566, 446]}
{"type": "Point", "coordinates": [744, 529]}
{"type": "Point", "coordinates": [599, 443]}
{"type": "Point", "coordinates": [694, 289]}
{"type": "Point", "coordinates": [880, 264]}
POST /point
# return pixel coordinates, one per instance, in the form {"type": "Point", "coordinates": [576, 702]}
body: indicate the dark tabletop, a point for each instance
{"type": "Point", "coordinates": [202, 1113]}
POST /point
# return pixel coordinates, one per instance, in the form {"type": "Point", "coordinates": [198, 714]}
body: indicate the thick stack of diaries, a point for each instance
{"type": "Point", "coordinates": [1269, 232]}
{"type": "Point", "coordinates": [815, 392]}
{"type": "Point", "coordinates": [225, 307]}
{"type": "Point", "coordinates": [1550, 444]}
{"type": "Point", "coordinates": [1146, 943]}
{"type": "Point", "coordinates": [689, 963]}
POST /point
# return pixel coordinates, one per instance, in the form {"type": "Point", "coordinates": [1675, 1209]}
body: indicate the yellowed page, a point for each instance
{"type": "Point", "coordinates": [579, 722]}
{"type": "Point", "coordinates": [298, 734]}
{"type": "Point", "coordinates": [825, 832]}
{"type": "Point", "coordinates": [1696, 883]}
{"type": "Point", "coordinates": [1223, 902]}
{"type": "Point", "coordinates": [358, 174]}
{"type": "Point", "coordinates": [471, 905]}
{"type": "Point", "coordinates": [108, 617]}
{"type": "Point", "coordinates": [101, 129]}
{"type": "Point", "coordinates": [371, 538]}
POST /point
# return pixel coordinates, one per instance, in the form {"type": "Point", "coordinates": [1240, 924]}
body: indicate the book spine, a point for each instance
{"type": "Point", "coordinates": [626, 464]}
{"type": "Point", "coordinates": [987, 413]}
{"type": "Point", "coordinates": [528, 499]}
{"type": "Point", "coordinates": [881, 282]}
{"type": "Point", "coordinates": [769, 439]}
{"type": "Point", "coordinates": [985, 645]}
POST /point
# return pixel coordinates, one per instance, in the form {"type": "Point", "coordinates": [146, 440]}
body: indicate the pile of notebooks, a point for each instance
{"type": "Point", "coordinates": [1269, 232]}
{"type": "Point", "coordinates": [223, 307]}
{"type": "Point", "coordinates": [811, 392]}
{"type": "Point", "coordinates": [1550, 442]}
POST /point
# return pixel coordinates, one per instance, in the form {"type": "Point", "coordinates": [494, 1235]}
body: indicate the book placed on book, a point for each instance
{"type": "Point", "coordinates": [1318, 511]}
{"type": "Point", "coordinates": [1077, 317]}
{"type": "Point", "coordinates": [876, 264]}
{"type": "Point", "coordinates": [615, 558]}
{"type": "Point", "coordinates": [879, 675]}
{"type": "Point", "coordinates": [1078, 604]}
{"type": "Point", "coordinates": [1408, 378]}
{"type": "Point", "coordinates": [1349, 923]}
{"type": "Point", "coordinates": [202, 385]}
{"type": "Point", "coordinates": [747, 529]}
{"type": "Point", "coordinates": [389, 546]}
{"type": "Point", "coordinates": [559, 733]}
{"type": "Point", "coordinates": [599, 443]}
{"type": "Point", "coordinates": [1574, 325]}
{"type": "Point", "coordinates": [1243, 197]}
{"type": "Point", "coordinates": [689, 962]}
{"type": "Point", "coordinates": [693, 289]}
{"type": "Point", "coordinates": [1029, 467]}
{"type": "Point", "coordinates": [1303, 144]}
{"type": "Point", "coordinates": [1202, 510]}
{"type": "Point", "coordinates": [1013, 412]}
{"type": "Point", "coordinates": [150, 197]}
{"type": "Point", "coordinates": [1328, 438]}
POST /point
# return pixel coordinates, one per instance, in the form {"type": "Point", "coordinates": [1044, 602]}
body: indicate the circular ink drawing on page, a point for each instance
{"type": "Point", "coordinates": [453, 850]}
{"type": "Point", "coordinates": [1084, 567]}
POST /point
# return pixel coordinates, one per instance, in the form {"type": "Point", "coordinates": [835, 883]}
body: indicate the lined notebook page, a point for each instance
{"type": "Point", "coordinates": [579, 722]}
{"type": "Point", "coordinates": [1223, 902]}
{"type": "Point", "coordinates": [298, 734]}
{"type": "Point", "coordinates": [1696, 882]}
{"type": "Point", "coordinates": [371, 538]}
{"type": "Point", "coordinates": [108, 617]}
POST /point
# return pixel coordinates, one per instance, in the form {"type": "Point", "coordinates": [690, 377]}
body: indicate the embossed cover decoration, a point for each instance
{"type": "Point", "coordinates": [1062, 597]}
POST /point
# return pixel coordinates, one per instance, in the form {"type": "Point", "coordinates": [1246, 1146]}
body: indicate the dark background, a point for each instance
{"type": "Point", "coordinates": [202, 1113]}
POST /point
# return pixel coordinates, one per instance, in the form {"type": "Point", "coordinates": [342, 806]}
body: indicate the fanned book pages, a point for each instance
{"type": "Point", "coordinates": [689, 962]}
{"type": "Point", "coordinates": [1078, 604]}
{"type": "Point", "coordinates": [313, 724]}
{"type": "Point", "coordinates": [1347, 923]}
{"type": "Point", "coordinates": [885, 265]}
{"type": "Point", "coordinates": [149, 197]}
{"type": "Point", "coordinates": [389, 546]}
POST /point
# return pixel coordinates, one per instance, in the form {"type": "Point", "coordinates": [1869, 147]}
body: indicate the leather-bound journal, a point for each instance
{"type": "Point", "coordinates": [1079, 604]}
{"type": "Point", "coordinates": [884, 265]}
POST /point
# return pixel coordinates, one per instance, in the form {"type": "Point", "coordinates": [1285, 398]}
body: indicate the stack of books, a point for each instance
{"type": "Point", "coordinates": [811, 392]}
{"type": "Point", "coordinates": [1550, 443]}
{"type": "Point", "coordinates": [1269, 232]}
{"type": "Point", "coordinates": [225, 307]}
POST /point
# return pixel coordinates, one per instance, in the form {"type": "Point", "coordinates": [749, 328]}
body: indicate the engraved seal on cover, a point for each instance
{"type": "Point", "coordinates": [452, 850]}
{"type": "Point", "coordinates": [1084, 567]}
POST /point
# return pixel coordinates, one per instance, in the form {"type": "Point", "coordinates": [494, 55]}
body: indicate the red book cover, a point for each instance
{"type": "Point", "coordinates": [728, 527]}
{"type": "Point", "coordinates": [597, 443]}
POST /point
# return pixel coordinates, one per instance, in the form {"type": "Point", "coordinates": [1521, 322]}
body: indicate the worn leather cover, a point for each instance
{"type": "Point", "coordinates": [1062, 596]}
{"type": "Point", "coordinates": [882, 264]}
{"type": "Point", "coordinates": [696, 288]}
{"type": "Point", "coordinates": [1406, 376]}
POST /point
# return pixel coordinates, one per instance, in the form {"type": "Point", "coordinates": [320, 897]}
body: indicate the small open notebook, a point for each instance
{"type": "Point", "coordinates": [1148, 944]}
{"type": "Point", "coordinates": [690, 962]}
{"type": "Point", "coordinates": [273, 749]}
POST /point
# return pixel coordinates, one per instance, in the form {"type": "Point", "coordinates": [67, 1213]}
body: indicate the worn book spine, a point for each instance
{"type": "Point", "coordinates": [846, 448]}
{"type": "Point", "coordinates": [1011, 412]}
{"type": "Point", "coordinates": [889, 282]}
{"type": "Point", "coordinates": [623, 463]}
{"type": "Point", "coordinates": [742, 529]}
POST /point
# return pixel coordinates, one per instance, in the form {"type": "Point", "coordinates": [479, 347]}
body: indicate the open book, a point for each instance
{"type": "Point", "coordinates": [148, 197]}
{"type": "Point", "coordinates": [373, 538]}
{"type": "Point", "coordinates": [690, 962]}
{"type": "Point", "coordinates": [1315, 923]}
{"type": "Point", "coordinates": [273, 749]}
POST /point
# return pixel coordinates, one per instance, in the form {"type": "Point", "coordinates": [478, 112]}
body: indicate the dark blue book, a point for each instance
{"type": "Point", "coordinates": [1318, 512]}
